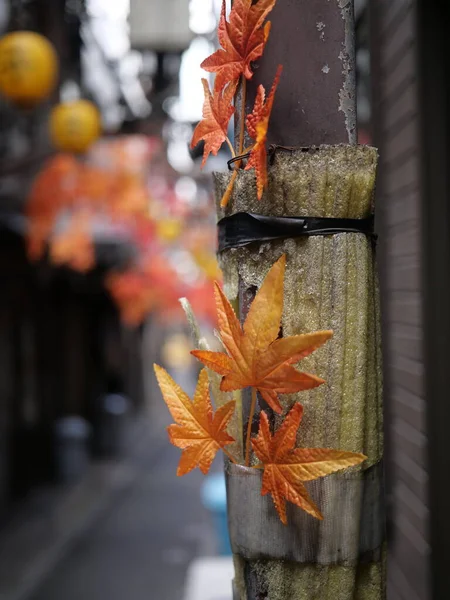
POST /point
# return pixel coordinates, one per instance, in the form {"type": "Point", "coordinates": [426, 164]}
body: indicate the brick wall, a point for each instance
{"type": "Point", "coordinates": [396, 133]}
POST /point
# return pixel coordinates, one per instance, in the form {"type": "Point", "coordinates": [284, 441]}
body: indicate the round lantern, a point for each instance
{"type": "Point", "coordinates": [74, 126]}
{"type": "Point", "coordinates": [28, 67]}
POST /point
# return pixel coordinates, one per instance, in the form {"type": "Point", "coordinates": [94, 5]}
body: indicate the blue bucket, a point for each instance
{"type": "Point", "coordinates": [214, 498]}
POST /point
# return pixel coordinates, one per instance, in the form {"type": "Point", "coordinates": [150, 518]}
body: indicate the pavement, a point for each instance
{"type": "Point", "coordinates": [129, 531]}
{"type": "Point", "coordinates": [210, 579]}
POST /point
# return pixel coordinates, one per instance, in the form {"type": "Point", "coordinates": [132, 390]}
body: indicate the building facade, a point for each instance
{"type": "Point", "coordinates": [410, 113]}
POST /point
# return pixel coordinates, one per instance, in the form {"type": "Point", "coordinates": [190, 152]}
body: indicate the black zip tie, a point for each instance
{"type": "Point", "coordinates": [236, 159]}
{"type": "Point", "coordinates": [244, 228]}
{"type": "Point", "coordinates": [270, 152]}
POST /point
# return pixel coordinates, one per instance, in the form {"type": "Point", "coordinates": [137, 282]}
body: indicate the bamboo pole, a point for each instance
{"type": "Point", "coordinates": [314, 40]}
{"type": "Point", "coordinates": [330, 282]}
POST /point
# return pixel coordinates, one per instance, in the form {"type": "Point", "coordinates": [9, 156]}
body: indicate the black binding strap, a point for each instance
{"type": "Point", "coordinates": [246, 228]}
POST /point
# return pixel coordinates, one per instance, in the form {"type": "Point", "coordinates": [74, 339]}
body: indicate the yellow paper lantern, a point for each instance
{"type": "Point", "coordinates": [75, 126]}
{"type": "Point", "coordinates": [28, 67]}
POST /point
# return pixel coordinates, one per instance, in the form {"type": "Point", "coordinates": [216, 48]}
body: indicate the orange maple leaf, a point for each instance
{"type": "Point", "coordinates": [286, 467]}
{"type": "Point", "coordinates": [242, 39]}
{"type": "Point", "coordinates": [74, 246]}
{"type": "Point", "coordinates": [128, 196]}
{"type": "Point", "coordinates": [51, 191]}
{"type": "Point", "coordinates": [217, 112]}
{"type": "Point", "coordinates": [198, 432]}
{"type": "Point", "coordinates": [257, 126]}
{"type": "Point", "coordinates": [255, 356]}
{"type": "Point", "coordinates": [134, 295]}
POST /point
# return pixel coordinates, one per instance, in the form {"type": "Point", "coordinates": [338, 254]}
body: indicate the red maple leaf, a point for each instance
{"type": "Point", "coordinates": [287, 467]}
{"type": "Point", "coordinates": [74, 246]}
{"type": "Point", "coordinates": [242, 39]}
{"type": "Point", "coordinates": [217, 112]}
{"type": "Point", "coordinates": [257, 127]}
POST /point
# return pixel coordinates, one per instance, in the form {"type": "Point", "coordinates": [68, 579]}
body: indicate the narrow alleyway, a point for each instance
{"type": "Point", "coordinates": [142, 545]}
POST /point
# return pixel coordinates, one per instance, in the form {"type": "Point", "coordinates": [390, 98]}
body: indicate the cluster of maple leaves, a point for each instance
{"type": "Point", "coordinates": [255, 357]}
{"type": "Point", "coordinates": [79, 191]}
{"type": "Point", "coordinates": [242, 39]}
{"type": "Point", "coordinates": [69, 196]}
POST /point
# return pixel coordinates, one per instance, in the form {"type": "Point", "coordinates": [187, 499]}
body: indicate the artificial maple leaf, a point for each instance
{"type": "Point", "coordinates": [92, 185]}
{"type": "Point", "coordinates": [242, 39]}
{"type": "Point", "coordinates": [52, 191]}
{"type": "Point", "coordinates": [198, 432]}
{"type": "Point", "coordinates": [217, 112]}
{"type": "Point", "coordinates": [165, 281]}
{"type": "Point", "coordinates": [134, 295]}
{"type": "Point", "coordinates": [257, 126]}
{"type": "Point", "coordinates": [255, 356]}
{"type": "Point", "coordinates": [286, 467]}
{"type": "Point", "coordinates": [74, 247]}
{"type": "Point", "coordinates": [128, 196]}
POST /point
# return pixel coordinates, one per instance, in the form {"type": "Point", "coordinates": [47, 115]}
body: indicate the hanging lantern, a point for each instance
{"type": "Point", "coordinates": [28, 67]}
{"type": "Point", "coordinates": [75, 126]}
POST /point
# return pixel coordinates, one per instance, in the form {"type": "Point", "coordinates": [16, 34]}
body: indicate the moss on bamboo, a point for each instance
{"type": "Point", "coordinates": [284, 580]}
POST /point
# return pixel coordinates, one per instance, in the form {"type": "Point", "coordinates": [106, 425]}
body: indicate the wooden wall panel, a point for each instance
{"type": "Point", "coordinates": [396, 132]}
